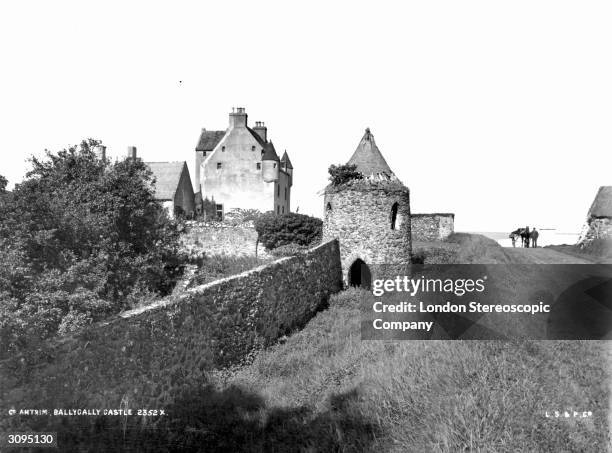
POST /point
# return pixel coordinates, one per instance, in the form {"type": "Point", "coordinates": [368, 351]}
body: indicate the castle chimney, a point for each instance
{"type": "Point", "coordinates": [100, 151]}
{"type": "Point", "coordinates": [261, 130]}
{"type": "Point", "coordinates": [238, 118]}
{"type": "Point", "coordinates": [131, 152]}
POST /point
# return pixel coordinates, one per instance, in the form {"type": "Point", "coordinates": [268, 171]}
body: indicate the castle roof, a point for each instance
{"type": "Point", "coordinates": [256, 136]}
{"type": "Point", "coordinates": [269, 152]}
{"type": "Point", "coordinates": [286, 160]}
{"type": "Point", "coordinates": [167, 178]}
{"type": "Point", "coordinates": [602, 205]}
{"type": "Point", "coordinates": [369, 160]}
{"type": "Point", "coordinates": [209, 139]}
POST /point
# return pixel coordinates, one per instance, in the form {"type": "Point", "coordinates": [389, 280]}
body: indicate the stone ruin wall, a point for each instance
{"type": "Point", "coordinates": [432, 227]}
{"type": "Point", "coordinates": [596, 228]}
{"type": "Point", "coordinates": [361, 219]}
{"type": "Point", "coordinates": [144, 357]}
{"type": "Point", "coordinates": [219, 238]}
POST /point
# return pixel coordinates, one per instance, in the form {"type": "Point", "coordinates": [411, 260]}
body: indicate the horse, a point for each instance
{"type": "Point", "coordinates": [523, 234]}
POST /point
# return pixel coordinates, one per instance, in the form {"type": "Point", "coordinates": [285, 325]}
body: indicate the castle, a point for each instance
{"type": "Point", "coordinates": [239, 168]}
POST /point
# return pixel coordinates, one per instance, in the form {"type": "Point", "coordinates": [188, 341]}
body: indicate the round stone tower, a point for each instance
{"type": "Point", "coordinates": [371, 219]}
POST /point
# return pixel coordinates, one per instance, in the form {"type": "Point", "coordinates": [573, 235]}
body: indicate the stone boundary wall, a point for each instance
{"type": "Point", "coordinates": [219, 238]}
{"type": "Point", "coordinates": [143, 357]}
{"type": "Point", "coordinates": [432, 227]}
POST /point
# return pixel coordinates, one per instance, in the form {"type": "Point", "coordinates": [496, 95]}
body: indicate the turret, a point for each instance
{"type": "Point", "coordinates": [287, 167]}
{"type": "Point", "coordinates": [270, 163]}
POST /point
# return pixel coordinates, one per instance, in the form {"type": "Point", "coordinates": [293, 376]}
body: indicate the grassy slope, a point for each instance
{"type": "Point", "coordinates": [598, 251]}
{"type": "Point", "coordinates": [447, 396]}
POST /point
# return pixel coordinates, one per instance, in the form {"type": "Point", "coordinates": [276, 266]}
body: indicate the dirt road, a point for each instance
{"type": "Point", "coordinates": [541, 256]}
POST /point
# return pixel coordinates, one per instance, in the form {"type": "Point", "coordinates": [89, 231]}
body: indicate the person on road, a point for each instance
{"type": "Point", "coordinates": [526, 237]}
{"type": "Point", "coordinates": [534, 238]}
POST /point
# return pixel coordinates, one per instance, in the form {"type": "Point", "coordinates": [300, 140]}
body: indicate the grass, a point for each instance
{"type": "Point", "coordinates": [211, 268]}
{"type": "Point", "coordinates": [461, 248]}
{"type": "Point", "coordinates": [323, 389]}
{"type": "Point", "coordinates": [598, 250]}
{"type": "Point", "coordinates": [434, 396]}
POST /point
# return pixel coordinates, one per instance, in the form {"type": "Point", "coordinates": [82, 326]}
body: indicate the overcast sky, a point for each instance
{"type": "Point", "coordinates": [500, 112]}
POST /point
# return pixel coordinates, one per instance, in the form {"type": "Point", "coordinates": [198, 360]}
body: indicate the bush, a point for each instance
{"type": "Point", "coordinates": [239, 216]}
{"type": "Point", "coordinates": [77, 237]}
{"type": "Point", "coordinates": [277, 230]}
{"type": "Point", "coordinates": [339, 174]}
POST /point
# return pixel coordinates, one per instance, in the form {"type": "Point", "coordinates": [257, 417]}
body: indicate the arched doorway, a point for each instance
{"type": "Point", "coordinates": [359, 274]}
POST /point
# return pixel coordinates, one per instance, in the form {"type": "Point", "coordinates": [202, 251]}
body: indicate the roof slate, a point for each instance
{"type": "Point", "coordinates": [286, 159]}
{"type": "Point", "coordinates": [209, 139]}
{"type": "Point", "coordinates": [257, 137]}
{"type": "Point", "coordinates": [369, 160]}
{"type": "Point", "coordinates": [269, 152]}
{"type": "Point", "coordinates": [167, 178]}
{"type": "Point", "coordinates": [602, 205]}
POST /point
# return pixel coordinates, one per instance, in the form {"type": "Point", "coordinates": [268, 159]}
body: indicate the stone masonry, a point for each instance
{"type": "Point", "coordinates": [432, 227]}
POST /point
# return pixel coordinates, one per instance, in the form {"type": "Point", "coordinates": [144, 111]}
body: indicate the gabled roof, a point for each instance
{"type": "Point", "coordinates": [602, 205]}
{"type": "Point", "coordinates": [286, 159]}
{"type": "Point", "coordinates": [209, 139]}
{"type": "Point", "coordinates": [167, 178]}
{"type": "Point", "coordinates": [257, 137]}
{"type": "Point", "coordinates": [269, 152]}
{"type": "Point", "coordinates": [369, 160]}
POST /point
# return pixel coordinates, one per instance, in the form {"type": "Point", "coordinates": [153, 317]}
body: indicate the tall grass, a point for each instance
{"type": "Point", "coordinates": [435, 396]}
{"type": "Point", "coordinates": [211, 268]}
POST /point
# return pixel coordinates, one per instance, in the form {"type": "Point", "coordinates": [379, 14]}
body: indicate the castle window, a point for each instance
{"type": "Point", "coordinates": [328, 207]}
{"type": "Point", "coordinates": [219, 211]}
{"type": "Point", "coordinates": [278, 209]}
{"type": "Point", "coordinates": [204, 154]}
{"type": "Point", "coordinates": [218, 165]}
{"type": "Point", "coordinates": [223, 148]}
{"type": "Point", "coordinates": [278, 191]}
{"type": "Point", "coordinates": [285, 193]}
{"type": "Point", "coordinates": [258, 165]}
{"type": "Point", "coordinates": [253, 148]}
{"type": "Point", "coordinates": [283, 209]}
{"type": "Point", "coordinates": [394, 216]}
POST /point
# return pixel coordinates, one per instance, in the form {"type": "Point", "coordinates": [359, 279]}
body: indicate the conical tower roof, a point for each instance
{"type": "Point", "coordinates": [369, 160]}
{"type": "Point", "coordinates": [602, 205]}
{"type": "Point", "coordinates": [285, 159]}
{"type": "Point", "coordinates": [269, 152]}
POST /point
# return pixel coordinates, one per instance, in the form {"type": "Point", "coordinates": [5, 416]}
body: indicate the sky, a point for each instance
{"type": "Point", "coordinates": [500, 112]}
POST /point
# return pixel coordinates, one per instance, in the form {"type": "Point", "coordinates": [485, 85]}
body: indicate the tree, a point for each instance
{"type": "Point", "coordinates": [277, 230]}
{"type": "Point", "coordinates": [339, 174]}
{"type": "Point", "coordinates": [82, 237]}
